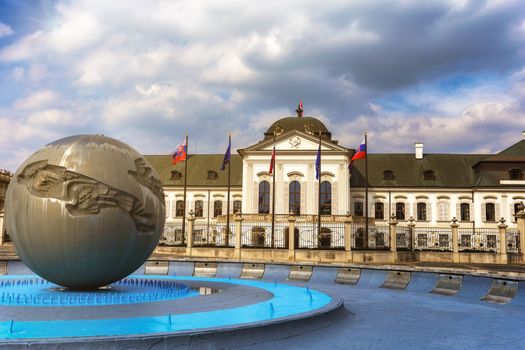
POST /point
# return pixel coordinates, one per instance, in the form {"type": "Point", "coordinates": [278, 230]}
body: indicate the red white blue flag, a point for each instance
{"type": "Point", "coordinates": [272, 161]}
{"type": "Point", "coordinates": [360, 153]}
{"type": "Point", "coordinates": [180, 153]}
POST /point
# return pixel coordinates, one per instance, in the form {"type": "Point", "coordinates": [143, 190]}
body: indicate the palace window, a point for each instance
{"type": "Point", "coordinates": [517, 207]}
{"type": "Point", "coordinates": [358, 208]}
{"type": "Point", "coordinates": [516, 174]}
{"type": "Point", "coordinates": [388, 175]}
{"type": "Point", "coordinates": [400, 211]}
{"type": "Point", "coordinates": [212, 175]}
{"type": "Point", "coordinates": [264, 197]}
{"type": "Point", "coordinates": [464, 211]}
{"type": "Point", "coordinates": [199, 209]}
{"type": "Point", "coordinates": [443, 211]}
{"type": "Point", "coordinates": [422, 211]}
{"type": "Point", "coordinates": [179, 208]}
{"type": "Point", "coordinates": [294, 203]}
{"type": "Point", "coordinates": [490, 212]}
{"type": "Point", "coordinates": [175, 175]}
{"type": "Point", "coordinates": [217, 208]}
{"type": "Point", "coordinates": [428, 175]}
{"type": "Point", "coordinates": [237, 206]}
{"type": "Point", "coordinates": [379, 211]}
{"type": "Point", "coordinates": [326, 198]}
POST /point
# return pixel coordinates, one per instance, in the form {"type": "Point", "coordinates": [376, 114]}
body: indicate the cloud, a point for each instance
{"type": "Point", "coordinates": [5, 30]}
{"type": "Point", "coordinates": [400, 69]}
{"type": "Point", "coordinates": [37, 99]}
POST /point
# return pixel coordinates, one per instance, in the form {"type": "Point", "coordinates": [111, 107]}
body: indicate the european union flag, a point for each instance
{"type": "Point", "coordinates": [318, 162]}
{"type": "Point", "coordinates": [227, 156]}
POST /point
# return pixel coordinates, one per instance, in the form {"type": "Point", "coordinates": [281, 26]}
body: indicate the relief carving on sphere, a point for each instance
{"type": "Point", "coordinates": [144, 175]}
{"type": "Point", "coordinates": [84, 195]}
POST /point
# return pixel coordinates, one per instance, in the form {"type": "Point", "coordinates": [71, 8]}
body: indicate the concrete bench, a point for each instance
{"type": "Point", "coordinates": [347, 276]}
{"type": "Point", "coordinates": [252, 271]}
{"type": "Point", "coordinates": [205, 269]}
{"type": "Point", "coordinates": [300, 273]}
{"type": "Point", "coordinates": [397, 279]}
{"type": "Point", "coordinates": [502, 291]}
{"type": "Point", "coordinates": [156, 268]}
{"type": "Point", "coordinates": [448, 284]}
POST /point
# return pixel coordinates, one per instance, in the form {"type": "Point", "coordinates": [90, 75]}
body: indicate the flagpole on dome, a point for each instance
{"type": "Point", "coordinates": [185, 185]}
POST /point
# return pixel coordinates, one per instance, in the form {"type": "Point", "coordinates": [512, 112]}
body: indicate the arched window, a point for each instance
{"type": "Point", "coordinates": [379, 211]}
{"type": "Point", "coordinates": [295, 198]}
{"type": "Point", "coordinates": [490, 212]}
{"type": "Point", "coordinates": [464, 209]}
{"type": "Point", "coordinates": [264, 197]}
{"type": "Point", "coordinates": [400, 211]}
{"type": "Point", "coordinates": [217, 208]}
{"type": "Point", "coordinates": [358, 208]}
{"type": "Point", "coordinates": [237, 206]}
{"type": "Point", "coordinates": [326, 198]}
{"type": "Point", "coordinates": [199, 209]}
{"type": "Point", "coordinates": [179, 208]}
{"type": "Point", "coordinates": [422, 211]}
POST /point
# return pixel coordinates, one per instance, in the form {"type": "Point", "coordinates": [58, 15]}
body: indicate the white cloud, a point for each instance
{"type": "Point", "coordinates": [51, 117]}
{"type": "Point", "coordinates": [5, 30]}
{"type": "Point", "coordinates": [37, 99]}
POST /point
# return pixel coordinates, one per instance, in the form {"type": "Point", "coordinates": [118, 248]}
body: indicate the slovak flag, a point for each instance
{"type": "Point", "coordinates": [272, 161]}
{"type": "Point", "coordinates": [360, 153]}
{"type": "Point", "coordinates": [180, 154]}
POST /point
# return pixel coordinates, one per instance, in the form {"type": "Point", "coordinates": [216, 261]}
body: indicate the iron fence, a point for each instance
{"type": "Point", "coordinates": [433, 238]}
{"type": "Point", "coordinates": [377, 237]}
{"type": "Point", "coordinates": [308, 236]}
{"type": "Point", "coordinates": [512, 238]}
{"type": "Point", "coordinates": [172, 234]}
{"type": "Point", "coordinates": [203, 234]}
{"type": "Point", "coordinates": [224, 237]}
{"type": "Point", "coordinates": [478, 240]}
{"type": "Point", "coordinates": [258, 233]}
{"type": "Point", "coordinates": [404, 238]}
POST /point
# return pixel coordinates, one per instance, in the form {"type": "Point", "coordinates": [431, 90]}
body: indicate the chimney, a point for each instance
{"type": "Point", "coordinates": [419, 150]}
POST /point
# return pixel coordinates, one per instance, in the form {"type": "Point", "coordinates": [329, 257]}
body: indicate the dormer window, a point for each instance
{"type": "Point", "coordinates": [212, 175]}
{"type": "Point", "coordinates": [175, 175]}
{"type": "Point", "coordinates": [516, 174]}
{"type": "Point", "coordinates": [388, 175]}
{"type": "Point", "coordinates": [428, 175]}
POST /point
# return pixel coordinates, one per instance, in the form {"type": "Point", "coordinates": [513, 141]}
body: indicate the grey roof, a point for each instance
{"type": "Point", "coordinates": [450, 170]}
{"type": "Point", "coordinates": [198, 166]}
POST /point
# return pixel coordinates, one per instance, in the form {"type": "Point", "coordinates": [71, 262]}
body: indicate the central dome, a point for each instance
{"type": "Point", "coordinates": [308, 125]}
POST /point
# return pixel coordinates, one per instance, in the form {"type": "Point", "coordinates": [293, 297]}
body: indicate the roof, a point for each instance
{"type": "Point", "coordinates": [198, 167]}
{"type": "Point", "coordinates": [306, 124]}
{"type": "Point", "coordinates": [450, 170]}
{"type": "Point", "coordinates": [514, 153]}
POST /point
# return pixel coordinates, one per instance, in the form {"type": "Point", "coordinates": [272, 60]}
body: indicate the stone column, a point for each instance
{"type": "Point", "coordinates": [191, 224]}
{"type": "Point", "coordinates": [348, 236]}
{"type": "Point", "coordinates": [455, 235]}
{"type": "Point", "coordinates": [393, 237]}
{"type": "Point", "coordinates": [520, 218]}
{"type": "Point", "coordinates": [291, 236]}
{"type": "Point", "coordinates": [502, 241]}
{"type": "Point", "coordinates": [238, 234]}
{"type": "Point", "coordinates": [411, 226]}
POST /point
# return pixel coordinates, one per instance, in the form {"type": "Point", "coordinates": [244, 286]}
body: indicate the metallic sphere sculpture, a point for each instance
{"type": "Point", "coordinates": [85, 211]}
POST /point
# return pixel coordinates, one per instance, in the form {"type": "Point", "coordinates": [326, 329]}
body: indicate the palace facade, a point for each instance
{"type": "Point", "coordinates": [477, 189]}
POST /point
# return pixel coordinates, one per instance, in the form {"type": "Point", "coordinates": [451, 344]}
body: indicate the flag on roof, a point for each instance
{"type": "Point", "coordinates": [359, 154]}
{"type": "Point", "coordinates": [272, 161]}
{"type": "Point", "coordinates": [180, 153]}
{"type": "Point", "coordinates": [227, 156]}
{"type": "Point", "coordinates": [318, 162]}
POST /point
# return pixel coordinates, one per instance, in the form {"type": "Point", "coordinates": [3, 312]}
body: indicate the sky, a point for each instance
{"type": "Point", "coordinates": [450, 74]}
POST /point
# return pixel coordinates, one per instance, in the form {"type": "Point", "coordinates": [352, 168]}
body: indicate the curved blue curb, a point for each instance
{"type": "Point", "coordinates": [287, 301]}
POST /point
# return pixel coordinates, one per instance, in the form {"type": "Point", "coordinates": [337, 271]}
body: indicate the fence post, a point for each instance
{"type": "Point", "coordinates": [411, 225]}
{"type": "Point", "coordinates": [455, 235]}
{"type": "Point", "coordinates": [191, 224]}
{"type": "Point", "coordinates": [291, 236]}
{"type": "Point", "coordinates": [238, 234]}
{"type": "Point", "coordinates": [393, 237]}
{"type": "Point", "coordinates": [502, 241]}
{"type": "Point", "coordinates": [348, 236]}
{"type": "Point", "coordinates": [520, 218]}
